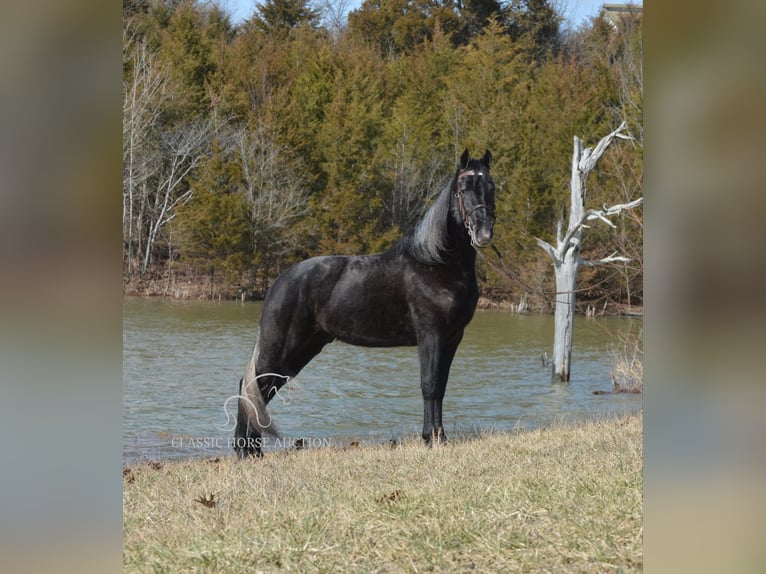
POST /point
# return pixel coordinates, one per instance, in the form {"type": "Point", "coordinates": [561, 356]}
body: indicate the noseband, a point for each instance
{"type": "Point", "coordinates": [461, 206]}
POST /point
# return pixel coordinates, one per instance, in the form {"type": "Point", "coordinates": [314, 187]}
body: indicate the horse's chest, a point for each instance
{"type": "Point", "coordinates": [448, 302]}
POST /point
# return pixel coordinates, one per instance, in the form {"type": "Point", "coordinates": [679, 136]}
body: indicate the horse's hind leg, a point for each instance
{"type": "Point", "coordinates": [300, 354]}
{"type": "Point", "coordinates": [248, 434]}
{"type": "Point", "coordinates": [247, 440]}
{"type": "Point", "coordinates": [248, 437]}
{"type": "Point", "coordinates": [276, 363]}
{"type": "Point", "coordinates": [288, 361]}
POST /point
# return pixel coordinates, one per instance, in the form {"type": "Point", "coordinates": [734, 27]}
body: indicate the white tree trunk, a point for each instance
{"type": "Point", "coordinates": [566, 280]}
{"type": "Point", "coordinates": [566, 254]}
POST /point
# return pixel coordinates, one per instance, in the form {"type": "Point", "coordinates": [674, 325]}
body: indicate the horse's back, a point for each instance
{"type": "Point", "coordinates": [304, 284]}
{"type": "Point", "coordinates": [360, 300]}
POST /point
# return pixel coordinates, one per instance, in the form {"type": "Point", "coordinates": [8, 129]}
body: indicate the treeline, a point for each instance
{"type": "Point", "coordinates": [300, 132]}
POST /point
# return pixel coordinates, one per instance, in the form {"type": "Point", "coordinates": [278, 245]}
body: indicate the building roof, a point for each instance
{"type": "Point", "coordinates": [613, 12]}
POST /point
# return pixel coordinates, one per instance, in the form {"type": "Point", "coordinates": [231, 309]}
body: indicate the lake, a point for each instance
{"type": "Point", "coordinates": [182, 360]}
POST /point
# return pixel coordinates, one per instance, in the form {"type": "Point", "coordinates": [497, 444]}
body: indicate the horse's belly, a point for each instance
{"type": "Point", "coordinates": [369, 320]}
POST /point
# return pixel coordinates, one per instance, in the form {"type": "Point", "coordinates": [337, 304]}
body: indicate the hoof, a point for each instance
{"type": "Point", "coordinates": [247, 447]}
{"type": "Point", "coordinates": [245, 454]}
{"type": "Point", "coordinates": [436, 436]}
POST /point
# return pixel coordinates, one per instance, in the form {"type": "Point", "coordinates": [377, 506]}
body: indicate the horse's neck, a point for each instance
{"type": "Point", "coordinates": [462, 253]}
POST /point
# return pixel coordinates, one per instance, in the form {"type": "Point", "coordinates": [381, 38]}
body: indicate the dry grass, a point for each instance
{"type": "Point", "coordinates": [628, 369]}
{"type": "Point", "coordinates": [563, 499]}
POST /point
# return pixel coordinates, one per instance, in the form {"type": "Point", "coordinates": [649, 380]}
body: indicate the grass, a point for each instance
{"type": "Point", "coordinates": [568, 498]}
{"type": "Point", "coordinates": [628, 369]}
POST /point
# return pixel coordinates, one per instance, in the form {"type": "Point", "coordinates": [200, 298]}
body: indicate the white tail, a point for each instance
{"type": "Point", "coordinates": [251, 398]}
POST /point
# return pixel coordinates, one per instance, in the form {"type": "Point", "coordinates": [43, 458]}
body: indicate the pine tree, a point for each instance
{"type": "Point", "coordinates": [214, 230]}
{"type": "Point", "coordinates": [279, 17]}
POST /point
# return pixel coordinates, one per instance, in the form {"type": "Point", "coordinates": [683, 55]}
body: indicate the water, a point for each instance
{"type": "Point", "coordinates": [183, 360]}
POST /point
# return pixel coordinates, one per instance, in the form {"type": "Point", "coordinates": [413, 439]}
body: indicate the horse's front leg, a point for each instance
{"type": "Point", "coordinates": [436, 356]}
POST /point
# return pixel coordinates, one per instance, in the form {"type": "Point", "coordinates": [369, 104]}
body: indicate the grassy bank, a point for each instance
{"type": "Point", "coordinates": [562, 499]}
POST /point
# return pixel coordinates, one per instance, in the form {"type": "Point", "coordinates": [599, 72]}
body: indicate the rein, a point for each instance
{"type": "Point", "coordinates": [507, 275]}
{"type": "Point", "coordinates": [515, 279]}
{"type": "Point", "coordinates": [550, 296]}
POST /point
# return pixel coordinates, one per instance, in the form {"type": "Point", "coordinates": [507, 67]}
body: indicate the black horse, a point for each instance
{"type": "Point", "coordinates": [422, 292]}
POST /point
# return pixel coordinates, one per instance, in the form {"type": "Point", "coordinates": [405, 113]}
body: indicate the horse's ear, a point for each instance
{"type": "Point", "coordinates": [464, 159]}
{"type": "Point", "coordinates": [487, 159]}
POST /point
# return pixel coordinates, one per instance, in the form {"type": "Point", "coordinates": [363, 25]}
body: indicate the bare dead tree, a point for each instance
{"type": "Point", "coordinates": [566, 254]}
{"type": "Point", "coordinates": [415, 181]}
{"type": "Point", "coordinates": [145, 91]}
{"type": "Point", "coordinates": [334, 14]}
{"type": "Point", "coordinates": [180, 151]}
{"type": "Point", "coordinates": [275, 189]}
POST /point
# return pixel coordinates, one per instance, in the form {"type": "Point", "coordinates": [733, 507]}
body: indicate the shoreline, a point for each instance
{"type": "Point", "coordinates": [189, 289]}
{"type": "Point", "coordinates": [192, 449]}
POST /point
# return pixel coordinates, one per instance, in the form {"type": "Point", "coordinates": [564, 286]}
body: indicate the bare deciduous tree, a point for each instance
{"type": "Point", "coordinates": [414, 182]}
{"type": "Point", "coordinates": [566, 253]}
{"type": "Point", "coordinates": [334, 14]}
{"type": "Point", "coordinates": [180, 151]}
{"type": "Point", "coordinates": [144, 93]}
{"type": "Point", "coordinates": [275, 189]}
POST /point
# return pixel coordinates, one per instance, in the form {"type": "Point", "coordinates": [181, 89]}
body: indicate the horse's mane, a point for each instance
{"type": "Point", "coordinates": [427, 241]}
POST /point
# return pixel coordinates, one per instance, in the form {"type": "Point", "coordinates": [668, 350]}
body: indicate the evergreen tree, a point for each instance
{"type": "Point", "coordinates": [475, 15]}
{"type": "Point", "coordinates": [416, 145]}
{"type": "Point", "coordinates": [333, 142]}
{"type": "Point", "coordinates": [279, 17]}
{"type": "Point", "coordinates": [399, 26]}
{"type": "Point", "coordinates": [191, 44]}
{"type": "Point", "coordinates": [347, 211]}
{"type": "Point", "coordinates": [214, 230]}
{"type": "Point", "coordinates": [537, 20]}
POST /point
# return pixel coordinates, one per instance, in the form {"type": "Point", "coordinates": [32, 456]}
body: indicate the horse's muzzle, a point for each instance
{"type": "Point", "coordinates": [481, 237]}
{"type": "Point", "coordinates": [483, 241]}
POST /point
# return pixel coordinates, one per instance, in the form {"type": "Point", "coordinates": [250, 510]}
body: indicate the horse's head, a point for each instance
{"type": "Point", "coordinates": [475, 194]}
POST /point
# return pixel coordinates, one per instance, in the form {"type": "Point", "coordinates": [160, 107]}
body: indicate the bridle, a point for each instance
{"type": "Point", "coordinates": [461, 205]}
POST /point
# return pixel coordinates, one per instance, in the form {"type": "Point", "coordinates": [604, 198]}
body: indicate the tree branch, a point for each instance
{"type": "Point", "coordinates": [613, 258]}
{"type": "Point", "coordinates": [601, 214]}
{"type": "Point", "coordinates": [548, 248]}
{"type": "Point", "coordinates": [590, 157]}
